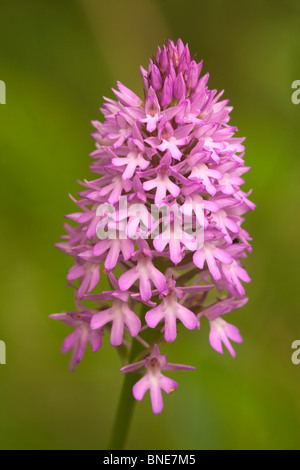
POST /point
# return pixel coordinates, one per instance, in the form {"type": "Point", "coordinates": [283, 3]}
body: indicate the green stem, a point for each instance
{"type": "Point", "coordinates": [125, 406]}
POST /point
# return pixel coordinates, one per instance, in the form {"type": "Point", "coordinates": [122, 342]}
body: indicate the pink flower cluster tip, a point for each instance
{"type": "Point", "coordinates": [173, 151]}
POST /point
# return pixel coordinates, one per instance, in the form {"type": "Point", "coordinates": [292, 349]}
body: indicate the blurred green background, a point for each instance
{"type": "Point", "coordinates": [57, 59]}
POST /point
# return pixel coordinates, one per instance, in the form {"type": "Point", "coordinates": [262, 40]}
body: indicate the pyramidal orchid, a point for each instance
{"type": "Point", "coordinates": [162, 221]}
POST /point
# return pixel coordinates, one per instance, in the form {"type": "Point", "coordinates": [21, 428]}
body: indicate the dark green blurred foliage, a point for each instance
{"type": "Point", "coordinates": [57, 60]}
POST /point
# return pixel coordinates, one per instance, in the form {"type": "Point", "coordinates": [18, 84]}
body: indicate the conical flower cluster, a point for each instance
{"type": "Point", "coordinates": [162, 221]}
